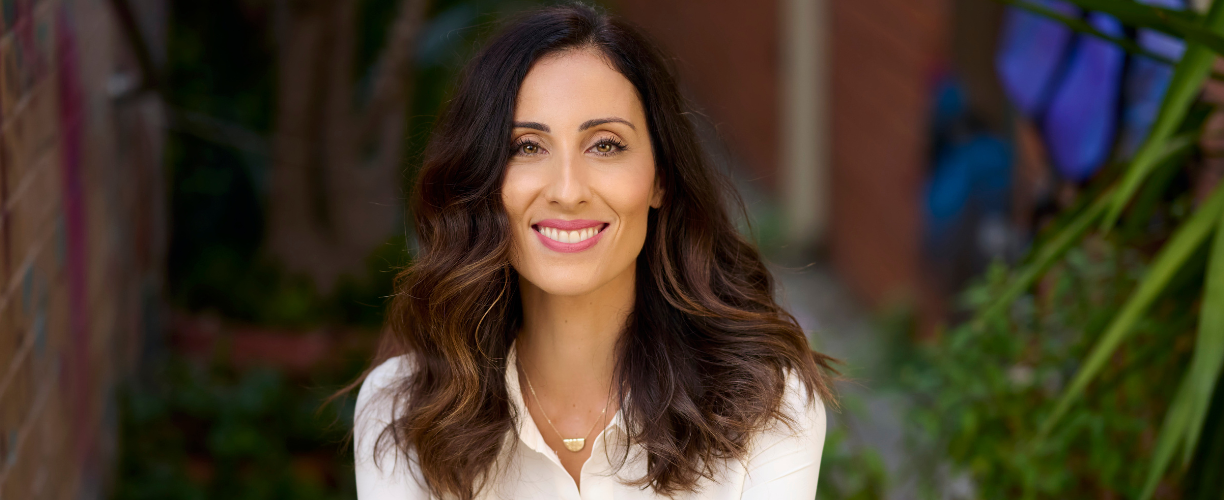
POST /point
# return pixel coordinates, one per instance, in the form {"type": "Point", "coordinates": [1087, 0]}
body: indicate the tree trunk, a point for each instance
{"type": "Point", "coordinates": [334, 192]}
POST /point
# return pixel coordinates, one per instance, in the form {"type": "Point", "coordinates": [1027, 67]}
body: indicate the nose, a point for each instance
{"type": "Point", "coordinates": [568, 186]}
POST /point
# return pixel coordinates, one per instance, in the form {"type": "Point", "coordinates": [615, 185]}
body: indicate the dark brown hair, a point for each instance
{"type": "Point", "coordinates": [705, 350]}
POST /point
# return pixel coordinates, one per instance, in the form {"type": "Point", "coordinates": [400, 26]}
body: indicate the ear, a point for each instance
{"type": "Point", "coordinates": [656, 194]}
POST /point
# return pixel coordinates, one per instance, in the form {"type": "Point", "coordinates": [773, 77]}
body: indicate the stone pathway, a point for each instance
{"type": "Point", "coordinates": [871, 414]}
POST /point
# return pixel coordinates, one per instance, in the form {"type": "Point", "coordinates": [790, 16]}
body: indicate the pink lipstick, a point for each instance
{"type": "Point", "coordinates": [569, 236]}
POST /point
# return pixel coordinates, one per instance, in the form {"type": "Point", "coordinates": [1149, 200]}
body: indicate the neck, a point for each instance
{"type": "Point", "coordinates": [567, 344]}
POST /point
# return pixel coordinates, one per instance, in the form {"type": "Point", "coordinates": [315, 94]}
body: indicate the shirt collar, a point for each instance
{"type": "Point", "coordinates": [526, 428]}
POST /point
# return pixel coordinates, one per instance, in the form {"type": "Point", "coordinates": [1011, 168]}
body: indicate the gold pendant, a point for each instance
{"type": "Point", "coordinates": [575, 444]}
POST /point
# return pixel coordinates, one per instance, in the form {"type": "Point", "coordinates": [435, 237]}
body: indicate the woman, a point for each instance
{"type": "Point", "coordinates": [583, 319]}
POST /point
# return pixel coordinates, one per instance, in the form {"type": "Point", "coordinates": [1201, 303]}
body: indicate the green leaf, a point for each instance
{"type": "Point", "coordinates": [1045, 256]}
{"type": "Point", "coordinates": [1184, 422]}
{"type": "Point", "coordinates": [1188, 77]}
{"type": "Point", "coordinates": [1182, 24]}
{"type": "Point", "coordinates": [1208, 358]}
{"type": "Point", "coordinates": [1171, 257]}
{"type": "Point", "coordinates": [1053, 249]}
{"type": "Point", "coordinates": [1172, 432]}
{"type": "Point", "coordinates": [1152, 192]}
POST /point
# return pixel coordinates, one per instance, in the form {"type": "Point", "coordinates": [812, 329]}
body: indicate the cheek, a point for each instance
{"type": "Point", "coordinates": [516, 198]}
{"type": "Point", "coordinates": [629, 194]}
{"type": "Point", "coordinates": [640, 189]}
{"type": "Point", "coordinates": [516, 195]}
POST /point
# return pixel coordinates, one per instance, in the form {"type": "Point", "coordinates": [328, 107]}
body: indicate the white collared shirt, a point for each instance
{"type": "Point", "coordinates": [781, 464]}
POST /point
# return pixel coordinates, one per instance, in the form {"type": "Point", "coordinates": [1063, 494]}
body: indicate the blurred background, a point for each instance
{"type": "Point", "coordinates": [997, 214]}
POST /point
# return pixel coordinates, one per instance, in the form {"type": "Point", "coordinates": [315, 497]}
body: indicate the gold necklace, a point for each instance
{"type": "Point", "coordinates": [571, 444]}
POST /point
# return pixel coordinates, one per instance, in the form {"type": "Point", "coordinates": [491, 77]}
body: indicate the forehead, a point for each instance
{"type": "Point", "coordinates": [574, 86]}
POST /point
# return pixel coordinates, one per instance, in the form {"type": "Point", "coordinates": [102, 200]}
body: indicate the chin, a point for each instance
{"type": "Point", "coordinates": [566, 283]}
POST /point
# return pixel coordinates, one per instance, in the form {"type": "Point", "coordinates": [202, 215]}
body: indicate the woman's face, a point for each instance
{"type": "Point", "coordinates": [581, 179]}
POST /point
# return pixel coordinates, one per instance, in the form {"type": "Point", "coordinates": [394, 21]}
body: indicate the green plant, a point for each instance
{"type": "Point", "coordinates": [984, 390]}
{"type": "Point", "coordinates": [1107, 349]}
{"type": "Point", "coordinates": [211, 431]}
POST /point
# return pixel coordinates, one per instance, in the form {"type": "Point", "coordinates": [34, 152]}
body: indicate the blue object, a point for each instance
{"type": "Point", "coordinates": [1080, 123]}
{"type": "Point", "coordinates": [978, 170]}
{"type": "Point", "coordinates": [1030, 54]}
{"type": "Point", "coordinates": [1091, 104]}
{"type": "Point", "coordinates": [950, 104]}
{"type": "Point", "coordinates": [1146, 83]}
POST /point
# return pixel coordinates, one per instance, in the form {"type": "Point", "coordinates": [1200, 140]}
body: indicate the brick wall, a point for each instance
{"type": "Point", "coordinates": [727, 55]}
{"type": "Point", "coordinates": [80, 240]}
{"type": "Point", "coordinates": [885, 57]}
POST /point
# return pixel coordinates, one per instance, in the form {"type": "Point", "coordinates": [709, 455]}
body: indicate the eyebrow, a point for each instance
{"type": "Point", "coordinates": [533, 125]}
{"type": "Point", "coordinates": [600, 121]}
{"type": "Point", "coordinates": [585, 125]}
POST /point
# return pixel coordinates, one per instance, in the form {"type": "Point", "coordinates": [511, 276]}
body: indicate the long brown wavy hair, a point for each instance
{"type": "Point", "coordinates": [701, 363]}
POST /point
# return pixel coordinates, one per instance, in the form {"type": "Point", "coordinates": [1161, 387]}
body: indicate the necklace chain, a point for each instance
{"type": "Point", "coordinates": [582, 443]}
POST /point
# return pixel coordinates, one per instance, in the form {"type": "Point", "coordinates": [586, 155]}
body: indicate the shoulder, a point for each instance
{"type": "Point", "coordinates": [381, 381]}
{"type": "Point", "coordinates": [807, 413]}
{"type": "Point", "coordinates": [802, 424]}
{"type": "Point", "coordinates": [376, 402]}
{"type": "Point", "coordinates": [383, 473]}
{"type": "Point", "coordinates": [784, 460]}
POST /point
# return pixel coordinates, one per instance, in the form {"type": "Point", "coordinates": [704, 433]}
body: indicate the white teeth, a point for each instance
{"type": "Point", "coordinates": [569, 236]}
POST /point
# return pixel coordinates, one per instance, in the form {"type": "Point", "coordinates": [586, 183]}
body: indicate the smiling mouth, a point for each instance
{"type": "Point", "coordinates": [563, 236]}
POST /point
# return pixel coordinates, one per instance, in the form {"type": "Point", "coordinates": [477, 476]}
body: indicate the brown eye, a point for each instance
{"type": "Point", "coordinates": [604, 147]}
{"type": "Point", "coordinates": [530, 149]}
